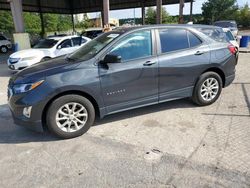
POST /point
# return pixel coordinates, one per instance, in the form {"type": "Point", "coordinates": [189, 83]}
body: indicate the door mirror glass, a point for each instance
{"type": "Point", "coordinates": [111, 59]}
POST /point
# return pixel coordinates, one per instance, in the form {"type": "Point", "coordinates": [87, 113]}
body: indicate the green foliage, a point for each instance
{"type": "Point", "coordinates": [243, 16]}
{"type": "Point", "coordinates": [85, 23]}
{"type": "Point", "coordinates": [32, 22]}
{"type": "Point", "coordinates": [214, 10]}
{"type": "Point", "coordinates": [151, 16]}
{"type": "Point", "coordinates": [6, 22]}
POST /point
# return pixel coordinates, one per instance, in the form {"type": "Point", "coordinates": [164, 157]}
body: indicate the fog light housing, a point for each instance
{"type": "Point", "coordinates": [27, 111]}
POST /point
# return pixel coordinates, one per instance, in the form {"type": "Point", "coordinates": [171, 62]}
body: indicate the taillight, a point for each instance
{"type": "Point", "coordinates": [232, 49]}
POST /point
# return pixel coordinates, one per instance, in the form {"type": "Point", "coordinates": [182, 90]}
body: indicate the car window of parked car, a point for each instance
{"type": "Point", "coordinates": [2, 38]}
{"type": "Point", "coordinates": [93, 47]}
{"type": "Point", "coordinates": [134, 46]}
{"type": "Point", "coordinates": [193, 40]}
{"type": "Point", "coordinates": [77, 41]}
{"type": "Point", "coordinates": [84, 40]}
{"type": "Point", "coordinates": [46, 43]}
{"type": "Point", "coordinates": [173, 39]}
{"type": "Point", "coordinates": [66, 43]}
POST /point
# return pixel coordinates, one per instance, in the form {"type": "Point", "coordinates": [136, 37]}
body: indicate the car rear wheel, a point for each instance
{"type": "Point", "coordinates": [4, 49]}
{"type": "Point", "coordinates": [207, 89]}
{"type": "Point", "coordinates": [70, 116]}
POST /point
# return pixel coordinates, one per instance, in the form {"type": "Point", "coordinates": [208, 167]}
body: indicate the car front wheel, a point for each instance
{"type": "Point", "coordinates": [70, 116]}
{"type": "Point", "coordinates": [4, 49]}
{"type": "Point", "coordinates": [207, 89]}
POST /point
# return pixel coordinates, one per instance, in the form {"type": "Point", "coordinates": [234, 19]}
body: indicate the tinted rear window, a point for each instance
{"type": "Point", "coordinates": [173, 39]}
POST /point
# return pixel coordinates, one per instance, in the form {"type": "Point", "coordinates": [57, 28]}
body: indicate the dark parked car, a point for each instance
{"type": "Point", "coordinates": [230, 24]}
{"type": "Point", "coordinates": [121, 70]}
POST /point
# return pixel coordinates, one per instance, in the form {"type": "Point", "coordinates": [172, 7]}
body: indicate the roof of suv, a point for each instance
{"type": "Point", "coordinates": [127, 29]}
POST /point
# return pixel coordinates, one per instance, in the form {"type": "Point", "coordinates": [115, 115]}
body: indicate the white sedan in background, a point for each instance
{"type": "Point", "coordinates": [231, 38]}
{"type": "Point", "coordinates": [47, 48]}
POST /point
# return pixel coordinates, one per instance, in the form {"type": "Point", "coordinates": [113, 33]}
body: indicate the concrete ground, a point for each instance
{"type": "Point", "coordinates": [174, 144]}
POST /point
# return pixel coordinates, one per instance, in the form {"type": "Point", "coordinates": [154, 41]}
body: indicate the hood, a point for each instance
{"type": "Point", "coordinates": [42, 70]}
{"type": "Point", "coordinates": [29, 53]}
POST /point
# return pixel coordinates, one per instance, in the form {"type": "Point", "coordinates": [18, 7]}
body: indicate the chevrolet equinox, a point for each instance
{"type": "Point", "coordinates": [120, 70]}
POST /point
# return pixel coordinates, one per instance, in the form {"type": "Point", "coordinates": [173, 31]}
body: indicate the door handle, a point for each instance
{"type": "Point", "coordinates": [199, 52]}
{"type": "Point", "coordinates": [149, 63]}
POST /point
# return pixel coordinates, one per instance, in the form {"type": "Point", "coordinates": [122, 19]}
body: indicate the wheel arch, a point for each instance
{"type": "Point", "coordinates": [219, 72]}
{"type": "Point", "coordinates": [70, 92]}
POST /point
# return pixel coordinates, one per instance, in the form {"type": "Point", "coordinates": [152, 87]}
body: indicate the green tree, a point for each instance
{"type": "Point", "coordinates": [6, 22]}
{"type": "Point", "coordinates": [32, 22]}
{"type": "Point", "coordinates": [214, 10]}
{"type": "Point", "coordinates": [85, 23]}
{"type": "Point", "coordinates": [151, 16]}
{"type": "Point", "coordinates": [243, 16]}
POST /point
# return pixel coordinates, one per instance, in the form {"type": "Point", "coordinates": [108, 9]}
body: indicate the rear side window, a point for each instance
{"type": "Point", "coordinates": [77, 41]}
{"type": "Point", "coordinates": [193, 40]}
{"type": "Point", "coordinates": [173, 39]}
{"type": "Point", "coordinates": [2, 38]}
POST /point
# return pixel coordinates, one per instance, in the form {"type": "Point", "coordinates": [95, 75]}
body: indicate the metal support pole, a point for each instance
{"type": "Point", "coordinates": [143, 13]}
{"type": "Point", "coordinates": [105, 12]}
{"type": "Point", "coordinates": [41, 19]}
{"type": "Point", "coordinates": [159, 12]}
{"type": "Point", "coordinates": [181, 21]}
{"type": "Point", "coordinates": [73, 23]}
{"type": "Point", "coordinates": [17, 14]}
{"type": "Point", "coordinates": [191, 11]}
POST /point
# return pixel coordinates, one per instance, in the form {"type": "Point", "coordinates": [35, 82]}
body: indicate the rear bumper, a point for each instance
{"type": "Point", "coordinates": [229, 80]}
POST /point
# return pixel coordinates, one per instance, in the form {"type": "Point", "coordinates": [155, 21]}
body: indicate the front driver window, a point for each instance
{"type": "Point", "coordinates": [134, 46]}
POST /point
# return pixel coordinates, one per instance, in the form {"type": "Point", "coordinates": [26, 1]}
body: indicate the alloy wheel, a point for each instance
{"type": "Point", "coordinates": [71, 117]}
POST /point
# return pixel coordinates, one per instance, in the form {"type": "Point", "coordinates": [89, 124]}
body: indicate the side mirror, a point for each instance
{"type": "Point", "coordinates": [59, 47]}
{"type": "Point", "coordinates": [111, 59]}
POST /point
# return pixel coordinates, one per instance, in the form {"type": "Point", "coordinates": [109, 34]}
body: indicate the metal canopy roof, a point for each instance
{"type": "Point", "coordinates": [81, 6]}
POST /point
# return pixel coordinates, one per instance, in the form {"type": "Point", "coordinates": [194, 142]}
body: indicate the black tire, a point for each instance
{"type": "Point", "coordinates": [4, 49]}
{"type": "Point", "coordinates": [45, 59]}
{"type": "Point", "coordinates": [57, 104]}
{"type": "Point", "coordinates": [197, 96]}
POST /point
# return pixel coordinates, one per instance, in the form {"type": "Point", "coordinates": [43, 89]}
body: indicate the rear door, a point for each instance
{"type": "Point", "coordinates": [182, 57]}
{"type": "Point", "coordinates": [134, 81]}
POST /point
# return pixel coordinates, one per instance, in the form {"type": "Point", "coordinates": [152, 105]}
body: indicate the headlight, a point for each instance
{"type": "Point", "coordinates": [22, 88]}
{"type": "Point", "coordinates": [28, 58]}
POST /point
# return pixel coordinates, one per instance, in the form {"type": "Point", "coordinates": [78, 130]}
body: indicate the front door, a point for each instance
{"type": "Point", "coordinates": [134, 81]}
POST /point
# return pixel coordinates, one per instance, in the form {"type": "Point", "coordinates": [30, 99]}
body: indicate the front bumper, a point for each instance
{"type": "Point", "coordinates": [17, 103]}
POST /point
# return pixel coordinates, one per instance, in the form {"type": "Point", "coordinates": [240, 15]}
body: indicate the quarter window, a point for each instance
{"type": "Point", "coordinates": [134, 46]}
{"type": "Point", "coordinates": [173, 39]}
{"type": "Point", "coordinates": [193, 40]}
{"type": "Point", "coordinates": [76, 41]}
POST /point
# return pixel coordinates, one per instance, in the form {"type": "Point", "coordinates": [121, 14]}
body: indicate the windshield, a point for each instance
{"type": "Point", "coordinates": [93, 47]}
{"type": "Point", "coordinates": [46, 43]}
{"type": "Point", "coordinates": [225, 24]}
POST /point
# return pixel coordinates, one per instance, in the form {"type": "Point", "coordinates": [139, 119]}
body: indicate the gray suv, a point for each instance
{"type": "Point", "coordinates": [121, 70]}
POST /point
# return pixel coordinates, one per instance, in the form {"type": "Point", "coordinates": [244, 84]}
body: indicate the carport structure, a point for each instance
{"type": "Point", "coordinates": [83, 6]}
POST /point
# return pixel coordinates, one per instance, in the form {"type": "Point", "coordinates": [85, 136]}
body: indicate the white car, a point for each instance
{"type": "Point", "coordinates": [231, 38]}
{"type": "Point", "coordinates": [5, 44]}
{"type": "Point", "coordinates": [47, 48]}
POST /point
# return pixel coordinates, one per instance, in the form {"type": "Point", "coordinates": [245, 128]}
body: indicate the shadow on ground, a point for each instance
{"type": "Point", "coordinates": [11, 133]}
